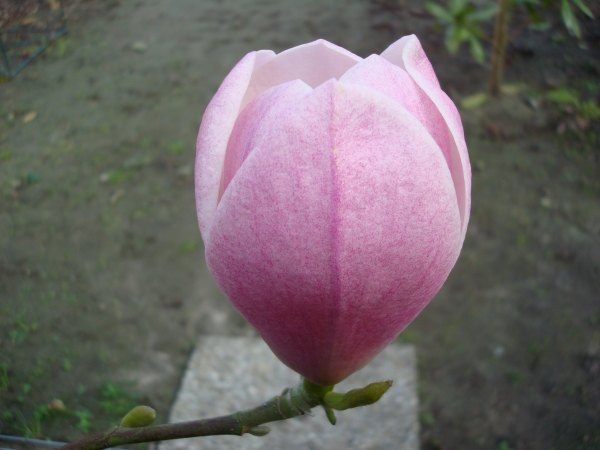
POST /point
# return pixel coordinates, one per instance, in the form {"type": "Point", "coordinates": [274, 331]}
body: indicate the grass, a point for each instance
{"type": "Point", "coordinates": [176, 147]}
{"type": "Point", "coordinates": [115, 400]}
{"type": "Point", "coordinates": [21, 329]}
{"type": "Point", "coordinates": [515, 377]}
{"type": "Point", "coordinates": [189, 246]}
{"type": "Point", "coordinates": [118, 176]}
{"type": "Point", "coordinates": [84, 420]}
{"type": "Point", "coordinates": [426, 419]}
{"type": "Point", "coordinates": [4, 381]}
{"type": "Point", "coordinates": [5, 155]}
{"type": "Point", "coordinates": [67, 366]}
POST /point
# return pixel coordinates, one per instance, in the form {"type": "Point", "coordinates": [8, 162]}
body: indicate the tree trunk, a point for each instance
{"type": "Point", "coordinates": [499, 48]}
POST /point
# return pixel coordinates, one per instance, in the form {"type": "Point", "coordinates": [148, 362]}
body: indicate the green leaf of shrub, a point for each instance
{"type": "Point", "coordinates": [438, 12]}
{"type": "Point", "coordinates": [564, 96]}
{"type": "Point", "coordinates": [457, 6]}
{"type": "Point", "coordinates": [584, 8]}
{"type": "Point", "coordinates": [569, 18]}
{"type": "Point", "coordinates": [485, 14]}
{"type": "Point", "coordinates": [477, 50]}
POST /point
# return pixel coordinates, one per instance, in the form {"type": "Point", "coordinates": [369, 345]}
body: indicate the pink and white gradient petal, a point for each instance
{"type": "Point", "coordinates": [217, 124]}
{"type": "Point", "coordinates": [268, 107]}
{"type": "Point", "coordinates": [387, 78]}
{"type": "Point", "coordinates": [313, 63]}
{"type": "Point", "coordinates": [408, 54]}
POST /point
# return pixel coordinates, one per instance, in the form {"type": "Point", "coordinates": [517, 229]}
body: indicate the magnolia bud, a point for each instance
{"type": "Point", "coordinates": [357, 397]}
{"type": "Point", "coordinates": [140, 416]}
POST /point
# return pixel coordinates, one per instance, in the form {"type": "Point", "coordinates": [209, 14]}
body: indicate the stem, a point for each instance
{"type": "Point", "coordinates": [291, 403]}
{"type": "Point", "coordinates": [499, 48]}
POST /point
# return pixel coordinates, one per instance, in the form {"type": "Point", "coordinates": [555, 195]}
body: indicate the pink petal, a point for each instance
{"type": "Point", "coordinates": [389, 79]}
{"type": "Point", "coordinates": [217, 124]}
{"type": "Point", "coordinates": [408, 54]}
{"type": "Point", "coordinates": [313, 63]}
{"type": "Point", "coordinates": [336, 230]}
{"type": "Point", "coordinates": [265, 108]}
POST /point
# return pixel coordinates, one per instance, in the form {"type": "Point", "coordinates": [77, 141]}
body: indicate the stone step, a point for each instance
{"type": "Point", "coordinates": [227, 374]}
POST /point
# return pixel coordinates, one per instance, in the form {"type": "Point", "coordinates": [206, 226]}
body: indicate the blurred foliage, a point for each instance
{"type": "Point", "coordinates": [116, 400]}
{"type": "Point", "coordinates": [461, 20]}
{"type": "Point", "coordinates": [587, 109]}
{"type": "Point", "coordinates": [569, 18]}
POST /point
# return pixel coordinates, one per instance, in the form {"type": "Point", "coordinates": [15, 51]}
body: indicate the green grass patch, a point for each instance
{"type": "Point", "coordinates": [426, 419]}
{"type": "Point", "coordinates": [408, 336]}
{"type": "Point", "coordinates": [5, 155]}
{"type": "Point", "coordinates": [189, 246]}
{"type": "Point", "coordinates": [67, 365]}
{"type": "Point", "coordinates": [116, 400]}
{"type": "Point", "coordinates": [176, 147]}
{"type": "Point", "coordinates": [118, 176]}
{"type": "Point", "coordinates": [60, 47]}
{"type": "Point", "coordinates": [84, 420]}
{"type": "Point", "coordinates": [515, 377]}
{"type": "Point", "coordinates": [4, 380]}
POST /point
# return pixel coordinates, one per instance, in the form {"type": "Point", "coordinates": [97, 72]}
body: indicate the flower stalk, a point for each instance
{"type": "Point", "coordinates": [294, 402]}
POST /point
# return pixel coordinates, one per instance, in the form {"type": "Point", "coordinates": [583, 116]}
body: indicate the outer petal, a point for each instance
{"type": "Point", "coordinates": [408, 54]}
{"type": "Point", "coordinates": [265, 108]}
{"type": "Point", "coordinates": [387, 78]}
{"type": "Point", "coordinates": [216, 126]}
{"type": "Point", "coordinates": [336, 230]}
{"type": "Point", "coordinates": [313, 63]}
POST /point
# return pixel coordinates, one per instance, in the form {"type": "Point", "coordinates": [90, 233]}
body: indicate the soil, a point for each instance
{"type": "Point", "coordinates": [103, 283]}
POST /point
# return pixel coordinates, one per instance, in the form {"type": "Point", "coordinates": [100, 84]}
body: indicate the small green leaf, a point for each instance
{"type": "Point", "coordinates": [260, 430]}
{"type": "Point", "coordinates": [140, 416]}
{"type": "Point", "coordinates": [474, 101]}
{"type": "Point", "coordinates": [438, 12]}
{"type": "Point", "coordinates": [483, 15]}
{"type": "Point", "coordinates": [454, 37]}
{"type": "Point", "coordinates": [477, 50]}
{"type": "Point", "coordinates": [457, 6]}
{"type": "Point", "coordinates": [569, 18]}
{"type": "Point", "coordinates": [330, 415]}
{"type": "Point", "coordinates": [511, 89]}
{"type": "Point", "coordinates": [356, 397]}
{"type": "Point", "coordinates": [565, 96]}
{"type": "Point", "coordinates": [590, 110]}
{"type": "Point", "coordinates": [582, 6]}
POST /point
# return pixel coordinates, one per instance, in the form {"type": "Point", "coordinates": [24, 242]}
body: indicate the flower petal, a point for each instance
{"type": "Point", "coordinates": [217, 124]}
{"type": "Point", "coordinates": [408, 54]}
{"type": "Point", "coordinates": [336, 230]}
{"type": "Point", "coordinates": [265, 108]}
{"type": "Point", "coordinates": [314, 63]}
{"type": "Point", "coordinates": [387, 78]}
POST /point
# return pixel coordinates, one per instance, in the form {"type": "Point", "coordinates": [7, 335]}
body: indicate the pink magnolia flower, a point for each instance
{"type": "Point", "coordinates": [333, 195]}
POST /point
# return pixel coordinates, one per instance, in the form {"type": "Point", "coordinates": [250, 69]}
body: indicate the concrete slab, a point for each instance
{"type": "Point", "coordinates": [226, 374]}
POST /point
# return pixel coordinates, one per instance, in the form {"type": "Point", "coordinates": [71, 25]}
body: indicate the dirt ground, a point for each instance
{"type": "Point", "coordinates": [103, 284]}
